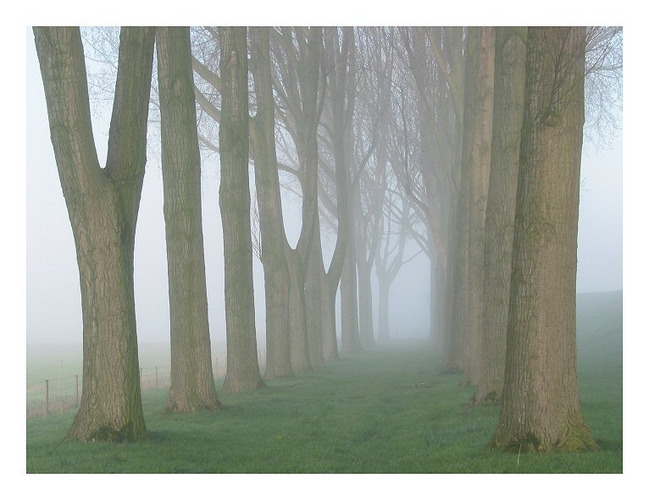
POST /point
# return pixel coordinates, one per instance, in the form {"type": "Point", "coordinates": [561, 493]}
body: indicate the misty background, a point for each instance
{"type": "Point", "coordinates": [53, 303]}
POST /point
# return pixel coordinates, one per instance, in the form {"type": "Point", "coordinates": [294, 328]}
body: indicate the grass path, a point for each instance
{"type": "Point", "coordinates": [388, 410]}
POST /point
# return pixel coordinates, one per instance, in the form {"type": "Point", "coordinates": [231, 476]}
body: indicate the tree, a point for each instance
{"type": "Point", "coordinates": [340, 50]}
{"type": "Point", "coordinates": [300, 88]}
{"type": "Point", "coordinates": [509, 90]}
{"type": "Point", "coordinates": [435, 58]}
{"type": "Point", "coordinates": [192, 381]}
{"type": "Point", "coordinates": [604, 82]}
{"type": "Point", "coordinates": [273, 236]}
{"type": "Point", "coordinates": [102, 205]}
{"type": "Point", "coordinates": [234, 201]}
{"type": "Point", "coordinates": [370, 157]}
{"type": "Point", "coordinates": [476, 160]}
{"type": "Point", "coordinates": [390, 256]}
{"type": "Point", "coordinates": [541, 409]}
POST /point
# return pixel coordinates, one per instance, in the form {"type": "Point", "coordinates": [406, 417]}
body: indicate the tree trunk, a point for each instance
{"type": "Point", "coordinates": [234, 201]}
{"type": "Point", "coordinates": [300, 89]}
{"type": "Point", "coordinates": [273, 236]}
{"type": "Point", "coordinates": [365, 310]}
{"type": "Point", "coordinates": [499, 226]}
{"type": "Point", "coordinates": [328, 311]}
{"type": "Point", "coordinates": [384, 310]}
{"type": "Point", "coordinates": [476, 159]}
{"type": "Point", "coordinates": [350, 338]}
{"type": "Point", "coordinates": [192, 381]}
{"type": "Point", "coordinates": [340, 50]}
{"type": "Point", "coordinates": [102, 205]}
{"type": "Point", "coordinates": [541, 409]}
{"type": "Point", "coordinates": [313, 298]}
{"type": "Point", "coordinates": [297, 315]}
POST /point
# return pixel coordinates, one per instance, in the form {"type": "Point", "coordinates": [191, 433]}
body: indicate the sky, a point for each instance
{"type": "Point", "coordinates": [52, 283]}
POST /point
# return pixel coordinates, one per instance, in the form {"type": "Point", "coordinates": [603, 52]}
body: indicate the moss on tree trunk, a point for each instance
{"type": "Point", "coordinates": [541, 409]}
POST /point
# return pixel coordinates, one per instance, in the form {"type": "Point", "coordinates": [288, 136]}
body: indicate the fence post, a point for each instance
{"type": "Point", "coordinates": [76, 389]}
{"type": "Point", "coordinates": [47, 397]}
{"type": "Point", "coordinates": [156, 377]}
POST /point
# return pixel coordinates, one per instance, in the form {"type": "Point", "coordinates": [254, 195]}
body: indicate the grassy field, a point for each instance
{"type": "Point", "coordinates": [386, 411]}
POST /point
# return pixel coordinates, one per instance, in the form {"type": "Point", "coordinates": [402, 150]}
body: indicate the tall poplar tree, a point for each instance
{"type": "Point", "coordinates": [541, 409]}
{"type": "Point", "coordinates": [103, 206]}
{"type": "Point", "coordinates": [273, 235]}
{"type": "Point", "coordinates": [192, 381]}
{"type": "Point", "coordinates": [234, 201]}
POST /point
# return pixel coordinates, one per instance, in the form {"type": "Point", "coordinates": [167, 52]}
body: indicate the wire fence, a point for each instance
{"type": "Point", "coordinates": [63, 394]}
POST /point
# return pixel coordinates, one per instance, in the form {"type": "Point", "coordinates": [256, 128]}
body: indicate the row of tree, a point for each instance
{"type": "Point", "coordinates": [466, 141]}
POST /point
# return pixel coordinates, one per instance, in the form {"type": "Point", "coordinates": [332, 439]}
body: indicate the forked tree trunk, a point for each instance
{"type": "Point", "coordinates": [301, 90]}
{"type": "Point", "coordinates": [541, 409]}
{"type": "Point", "coordinates": [102, 205]}
{"type": "Point", "coordinates": [234, 201]}
{"type": "Point", "coordinates": [499, 226]}
{"type": "Point", "coordinates": [192, 380]}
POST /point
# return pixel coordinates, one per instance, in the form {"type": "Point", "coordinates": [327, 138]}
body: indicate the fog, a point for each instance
{"type": "Point", "coordinates": [53, 303]}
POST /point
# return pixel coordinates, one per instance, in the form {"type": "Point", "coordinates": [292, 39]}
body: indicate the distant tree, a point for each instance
{"type": "Point", "coordinates": [375, 62]}
{"type": "Point", "coordinates": [390, 256]}
{"type": "Point", "coordinates": [102, 205]}
{"type": "Point", "coordinates": [192, 381]}
{"type": "Point", "coordinates": [509, 90]}
{"type": "Point", "coordinates": [435, 62]}
{"type": "Point", "coordinates": [541, 409]}
{"type": "Point", "coordinates": [234, 200]}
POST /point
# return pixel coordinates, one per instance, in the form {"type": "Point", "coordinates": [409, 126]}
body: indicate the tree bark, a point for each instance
{"type": "Point", "coordinates": [297, 314]}
{"type": "Point", "coordinates": [234, 201]}
{"type": "Point", "coordinates": [313, 298]}
{"type": "Point", "coordinates": [273, 236]}
{"type": "Point", "coordinates": [192, 381]}
{"type": "Point", "coordinates": [509, 92]}
{"type": "Point", "coordinates": [541, 409]}
{"type": "Point", "coordinates": [102, 205]}
{"type": "Point", "coordinates": [350, 335]}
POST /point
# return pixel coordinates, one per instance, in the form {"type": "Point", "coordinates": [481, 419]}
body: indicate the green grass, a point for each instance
{"type": "Point", "coordinates": [389, 410]}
